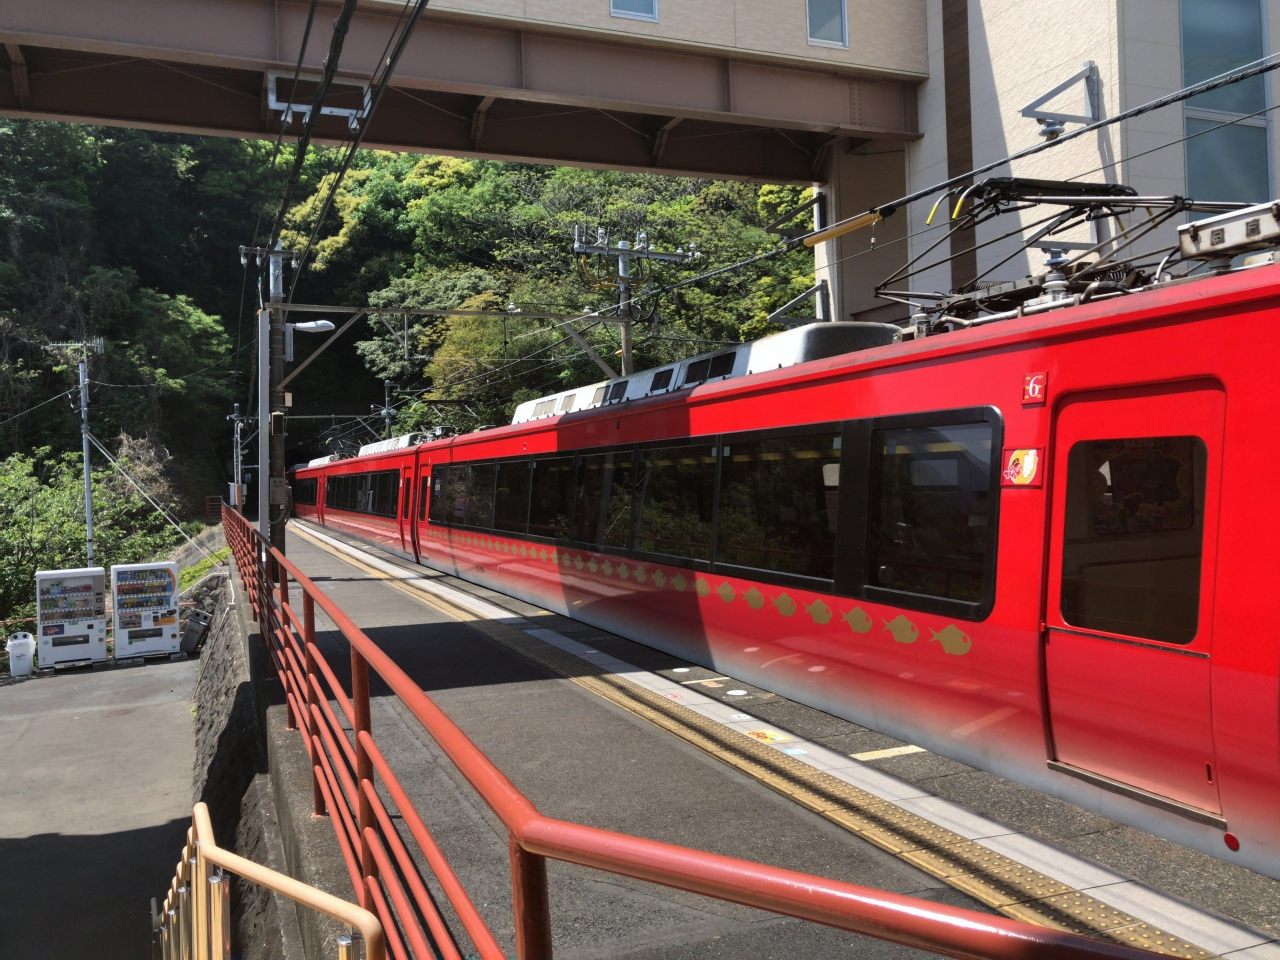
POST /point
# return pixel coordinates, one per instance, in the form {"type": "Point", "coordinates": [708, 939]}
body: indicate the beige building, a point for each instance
{"type": "Point", "coordinates": [868, 99]}
{"type": "Point", "coordinates": [989, 59]}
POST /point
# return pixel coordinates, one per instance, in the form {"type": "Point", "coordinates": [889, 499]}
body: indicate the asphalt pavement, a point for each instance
{"type": "Point", "coordinates": [95, 801]}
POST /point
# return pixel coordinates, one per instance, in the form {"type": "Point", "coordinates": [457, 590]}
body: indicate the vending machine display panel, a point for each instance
{"type": "Point", "coordinates": [145, 609]}
{"type": "Point", "coordinates": [71, 619]}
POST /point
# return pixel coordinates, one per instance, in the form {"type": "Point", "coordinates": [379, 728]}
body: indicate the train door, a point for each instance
{"type": "Point", "coordinates": [1129, 611]}
{"type": "Point", "coordinates": [406, 508]}
{"type": "Point", "coordinates": [422, 499]}
{"type": "Point", "coordinates": [321, 484]}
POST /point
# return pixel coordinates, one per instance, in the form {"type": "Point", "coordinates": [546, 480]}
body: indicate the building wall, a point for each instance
{"type": "Point", "coordinates": [886, 36]}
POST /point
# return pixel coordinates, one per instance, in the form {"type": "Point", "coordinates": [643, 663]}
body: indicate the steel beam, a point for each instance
{"type": "Point", "coordinates": [465, 88]}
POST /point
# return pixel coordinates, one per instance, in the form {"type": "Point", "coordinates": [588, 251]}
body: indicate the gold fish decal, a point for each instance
{"type": "Point", "coordinates": [754, 598]}
{"type": "Point", "coordinates": [659, 578]}
{"type": "Point", "coordinates": [786, 606]}
{"type": "Point", "coordinates": [820, 613]}
{"type": "Point", "coordinates": [704, 588]}
{"type": "Point", "coordinates": [902, 629]}
{"type": "Point", "coordinates": [623, 572]}
{"type": "Point", "coordinates": [954, 640]}
{"type": "Point", "coordinates": [578, 562]}
{"type": "Point", "coordinates": [726, 592]}
{"type": "Point", "coordinates": [858, 620]}
{"type": "Point", "coordinates": [641, 575]}
{"type": "Point", "coordinates": [679, 582]}
{"type": "Point", "coordinates": [607, 568]}
{"type": "Point", "coordinates": [592, 565]}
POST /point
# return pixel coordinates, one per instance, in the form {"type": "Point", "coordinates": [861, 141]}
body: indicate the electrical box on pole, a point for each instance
{"type": "Point", "coordinates": [71, 616]}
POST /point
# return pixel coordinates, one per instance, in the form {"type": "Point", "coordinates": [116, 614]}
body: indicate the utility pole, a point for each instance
{"type": "Point", "coordinates": [84, 443]}
{"type": "Point", "coordinates": [237, 458]}
{"type": "Point", "coordinates": [626, 254]}
{"type": "Point", "coordinates": [85, 346]}
{"type": "Point", "coordinates": [387, 412]}
{"type": "Point", "coordinates": [273, 490]}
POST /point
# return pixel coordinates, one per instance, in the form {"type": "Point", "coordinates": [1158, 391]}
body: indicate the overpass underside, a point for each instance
{"type": "Point", "coordinates": [465, 88]}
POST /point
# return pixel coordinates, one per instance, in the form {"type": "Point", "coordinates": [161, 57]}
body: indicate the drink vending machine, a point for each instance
{"type": "Point", "coordinates": [145, 598]}
{"type": "Point", "coordinates": [71, 616]}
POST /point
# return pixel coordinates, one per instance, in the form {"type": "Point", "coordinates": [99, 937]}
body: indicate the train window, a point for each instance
{"type": "Point", "coordinates": [598, 396]}
{"type": "Point", "coordinates": [439, 495]}
{"type": "Point", "coordinates": [511, 501]}
{"type": "Point", "coordinates": [408, 496]}
{"type": "Point", "coordinates": [675, 493]}
{"type": "Point", "coordinates": [1133, 537]}
{"type": "Point", "coordinates": [386, 493]}
{"type": "Point", "coordinates": [778, 500]}
{"type": "Point", "coordinates": [618, 391]}
{"type": "Point", "coordinates": [480, 477]}
{"type": "Point", "coordinates": [931, 499]}
{"type": "Point", "coordinates": [424, 495]}
{"type": "Point", "coordinates": [455, 494]}
{"type": "Point", "coordinates": [603, 500]}
{"type": "Point", "coordinates": [708, 368]}
{"type": "Point", "coordinates": [551, 498]}
{"type": "Point", "coordinates": [304, 490]}
{"type": "Point", "coordinates": [661, 380]}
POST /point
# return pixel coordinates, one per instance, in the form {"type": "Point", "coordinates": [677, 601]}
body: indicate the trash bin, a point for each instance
{"type": "Point", "coordinates": [197, 623]}
{"type": "Point", "coordinates": [21, 649]}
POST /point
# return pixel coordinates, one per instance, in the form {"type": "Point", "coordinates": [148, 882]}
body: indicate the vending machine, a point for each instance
{"type": "Point", "coordinates": [145, 601]}
{"type": "Point", "coordinates": [71, 616]}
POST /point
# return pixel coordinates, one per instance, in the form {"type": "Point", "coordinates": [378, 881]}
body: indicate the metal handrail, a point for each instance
{"type": "Point", "coordinates": [534, 837]}
{"type": "Point", "coordinates": [194, 922]}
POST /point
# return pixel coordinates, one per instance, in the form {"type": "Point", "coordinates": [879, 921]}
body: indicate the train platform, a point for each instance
{"type": "Point", "coordinates": [606, 732]}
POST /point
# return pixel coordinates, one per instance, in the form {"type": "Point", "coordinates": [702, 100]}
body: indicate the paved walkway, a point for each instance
{"type": "Point", "coordinates": [95, 800]}
{"type": "Point", "coordinates": [579, 757]}
{"type": "Point", "coordinates": [567, 763]}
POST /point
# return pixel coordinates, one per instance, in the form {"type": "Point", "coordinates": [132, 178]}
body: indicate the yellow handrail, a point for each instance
{"type": "Point", "coordinates": [194, 922]}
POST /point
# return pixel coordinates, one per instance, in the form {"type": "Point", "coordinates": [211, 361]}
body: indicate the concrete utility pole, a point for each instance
{"type": "Point", "coordinates": [273, 489]}
{"type": "Point", "coordinates": [84, 443]}
{"type": "Point", "coordinates": [84, 347]}
{"type": "Point", "coordinates": [237, 459]}
{"type": "Point", "coordinates": [625, 253]}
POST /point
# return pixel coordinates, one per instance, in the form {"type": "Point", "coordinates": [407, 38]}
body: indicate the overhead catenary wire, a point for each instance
{"type": "Point", "coordinates": [340, 27]}
{"type": "Point", "coordinates": [379, 88]}
{"type": "Point", "coordinates": [158, 508]}
{"type": "Point", "coordinates": [1256, 68]}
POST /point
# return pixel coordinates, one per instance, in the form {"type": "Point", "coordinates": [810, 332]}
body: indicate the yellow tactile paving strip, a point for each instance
{"type": "Point", "coordinates": [987, 876]}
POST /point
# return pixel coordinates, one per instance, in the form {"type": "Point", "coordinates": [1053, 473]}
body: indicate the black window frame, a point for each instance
{"type": "Point", "coordinates": [799, 581]}
{"type": "Point", "coordinates": [851, 539]}
{"type": "Point", "coordinates": [713, 441]}
{"type": "Point", "coordinates": [852, 559]}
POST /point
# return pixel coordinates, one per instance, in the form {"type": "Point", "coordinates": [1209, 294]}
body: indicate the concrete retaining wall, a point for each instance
{"type": "Point", "coordinates": [255, 775]}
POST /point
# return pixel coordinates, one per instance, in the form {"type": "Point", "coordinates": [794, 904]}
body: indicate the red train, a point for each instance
{"type": "Point", "coordinates": [1041, 546]}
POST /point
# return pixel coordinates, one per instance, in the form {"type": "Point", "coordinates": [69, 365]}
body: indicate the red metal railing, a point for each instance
{"type": "Point", "coordinates": [347, 766]}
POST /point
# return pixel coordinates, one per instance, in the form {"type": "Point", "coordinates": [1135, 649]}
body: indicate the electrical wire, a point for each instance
{"type": "Point", "coordinates": [1253, 69]}
{"type": "Point", "coordinates": [340, 27]}
{"type": "Point", "coordinates": [379, 88]}
{"type": "Point", "coordinates": [42, 403]}
{"type": "Point", "coordinates": [159, 509]}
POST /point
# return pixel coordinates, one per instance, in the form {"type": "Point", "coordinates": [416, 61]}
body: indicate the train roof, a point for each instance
{"type": "Point", "coordinates": [814, 341]}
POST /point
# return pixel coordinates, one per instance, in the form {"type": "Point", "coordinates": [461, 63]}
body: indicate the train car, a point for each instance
{"type": "Point", "coordinates": [1040, 546]}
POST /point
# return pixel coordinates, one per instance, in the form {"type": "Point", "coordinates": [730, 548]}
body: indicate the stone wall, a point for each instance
{"type": "Point", "coordinates": [230, 775]}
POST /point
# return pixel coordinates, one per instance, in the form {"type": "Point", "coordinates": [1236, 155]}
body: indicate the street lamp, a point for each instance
{"type": "Point", "coordinates": [308, 326]}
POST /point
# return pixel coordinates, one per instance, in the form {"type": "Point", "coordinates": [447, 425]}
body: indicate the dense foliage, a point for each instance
{"type": "Point", "coordinates": [438, 232]}
{"type": "Point", "coordinates": [42, 521]}
{"type": "Point", "coordinates": [132, 237]}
